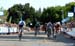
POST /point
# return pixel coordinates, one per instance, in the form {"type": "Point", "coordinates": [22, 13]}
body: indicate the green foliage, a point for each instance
{"type": "Point", "coordinates": [19, 11]}
{"type": "Point", "coordinates": [5, 12]}
{"type": "Point", "coordinates": [28, 13]}
{"type": "Point", "coordinates": [54, 14]}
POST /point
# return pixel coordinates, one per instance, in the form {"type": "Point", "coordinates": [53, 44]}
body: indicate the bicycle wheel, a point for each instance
{"type": "Point", "coordinates": [20, 35]}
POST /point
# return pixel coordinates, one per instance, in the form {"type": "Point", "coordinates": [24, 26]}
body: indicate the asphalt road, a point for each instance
{"type": "Point", "coordinates": [29, 39]}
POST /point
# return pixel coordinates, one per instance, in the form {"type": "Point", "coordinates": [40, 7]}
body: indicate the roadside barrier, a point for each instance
{"type": "Point", "coordinates": [5, 30]}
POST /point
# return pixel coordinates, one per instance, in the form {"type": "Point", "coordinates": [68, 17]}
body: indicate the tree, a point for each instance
{"type": "Point", "coordinates": [14, 13]}
{"type": "Point", "coordinates": [5, 12]}
{"type": "Point", "coordinates": [70, 8]}
{"type": "Point", "coordinates": [58, 13]}
{"type": "Point", "coordinates": [19, 11]}
{"type": "Point", "coordinates": [54, 14]}
{"type": "Point", "coordinates": [50, 14]}
{"type": "Point", "coordinates": [38, 14]}
{"type": "Point", "coordinates": [29, 14]}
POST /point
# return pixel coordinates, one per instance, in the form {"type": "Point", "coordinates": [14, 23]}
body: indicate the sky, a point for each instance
{"type": "Point", "coordinates": [34, 3]}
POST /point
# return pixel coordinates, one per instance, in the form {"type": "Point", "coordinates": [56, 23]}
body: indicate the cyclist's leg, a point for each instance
{"type": "Point", "coordinates": [35, 32]}
{"type": "Point", "coordinates": [20, 34]}
{"type": "Point", "coordinates": [48, 33]}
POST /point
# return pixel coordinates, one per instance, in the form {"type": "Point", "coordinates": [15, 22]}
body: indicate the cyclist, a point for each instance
{"type": "Point", "coordinates": [49, 29]}
{"type": "Point", "coordinates": [21, 24]}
